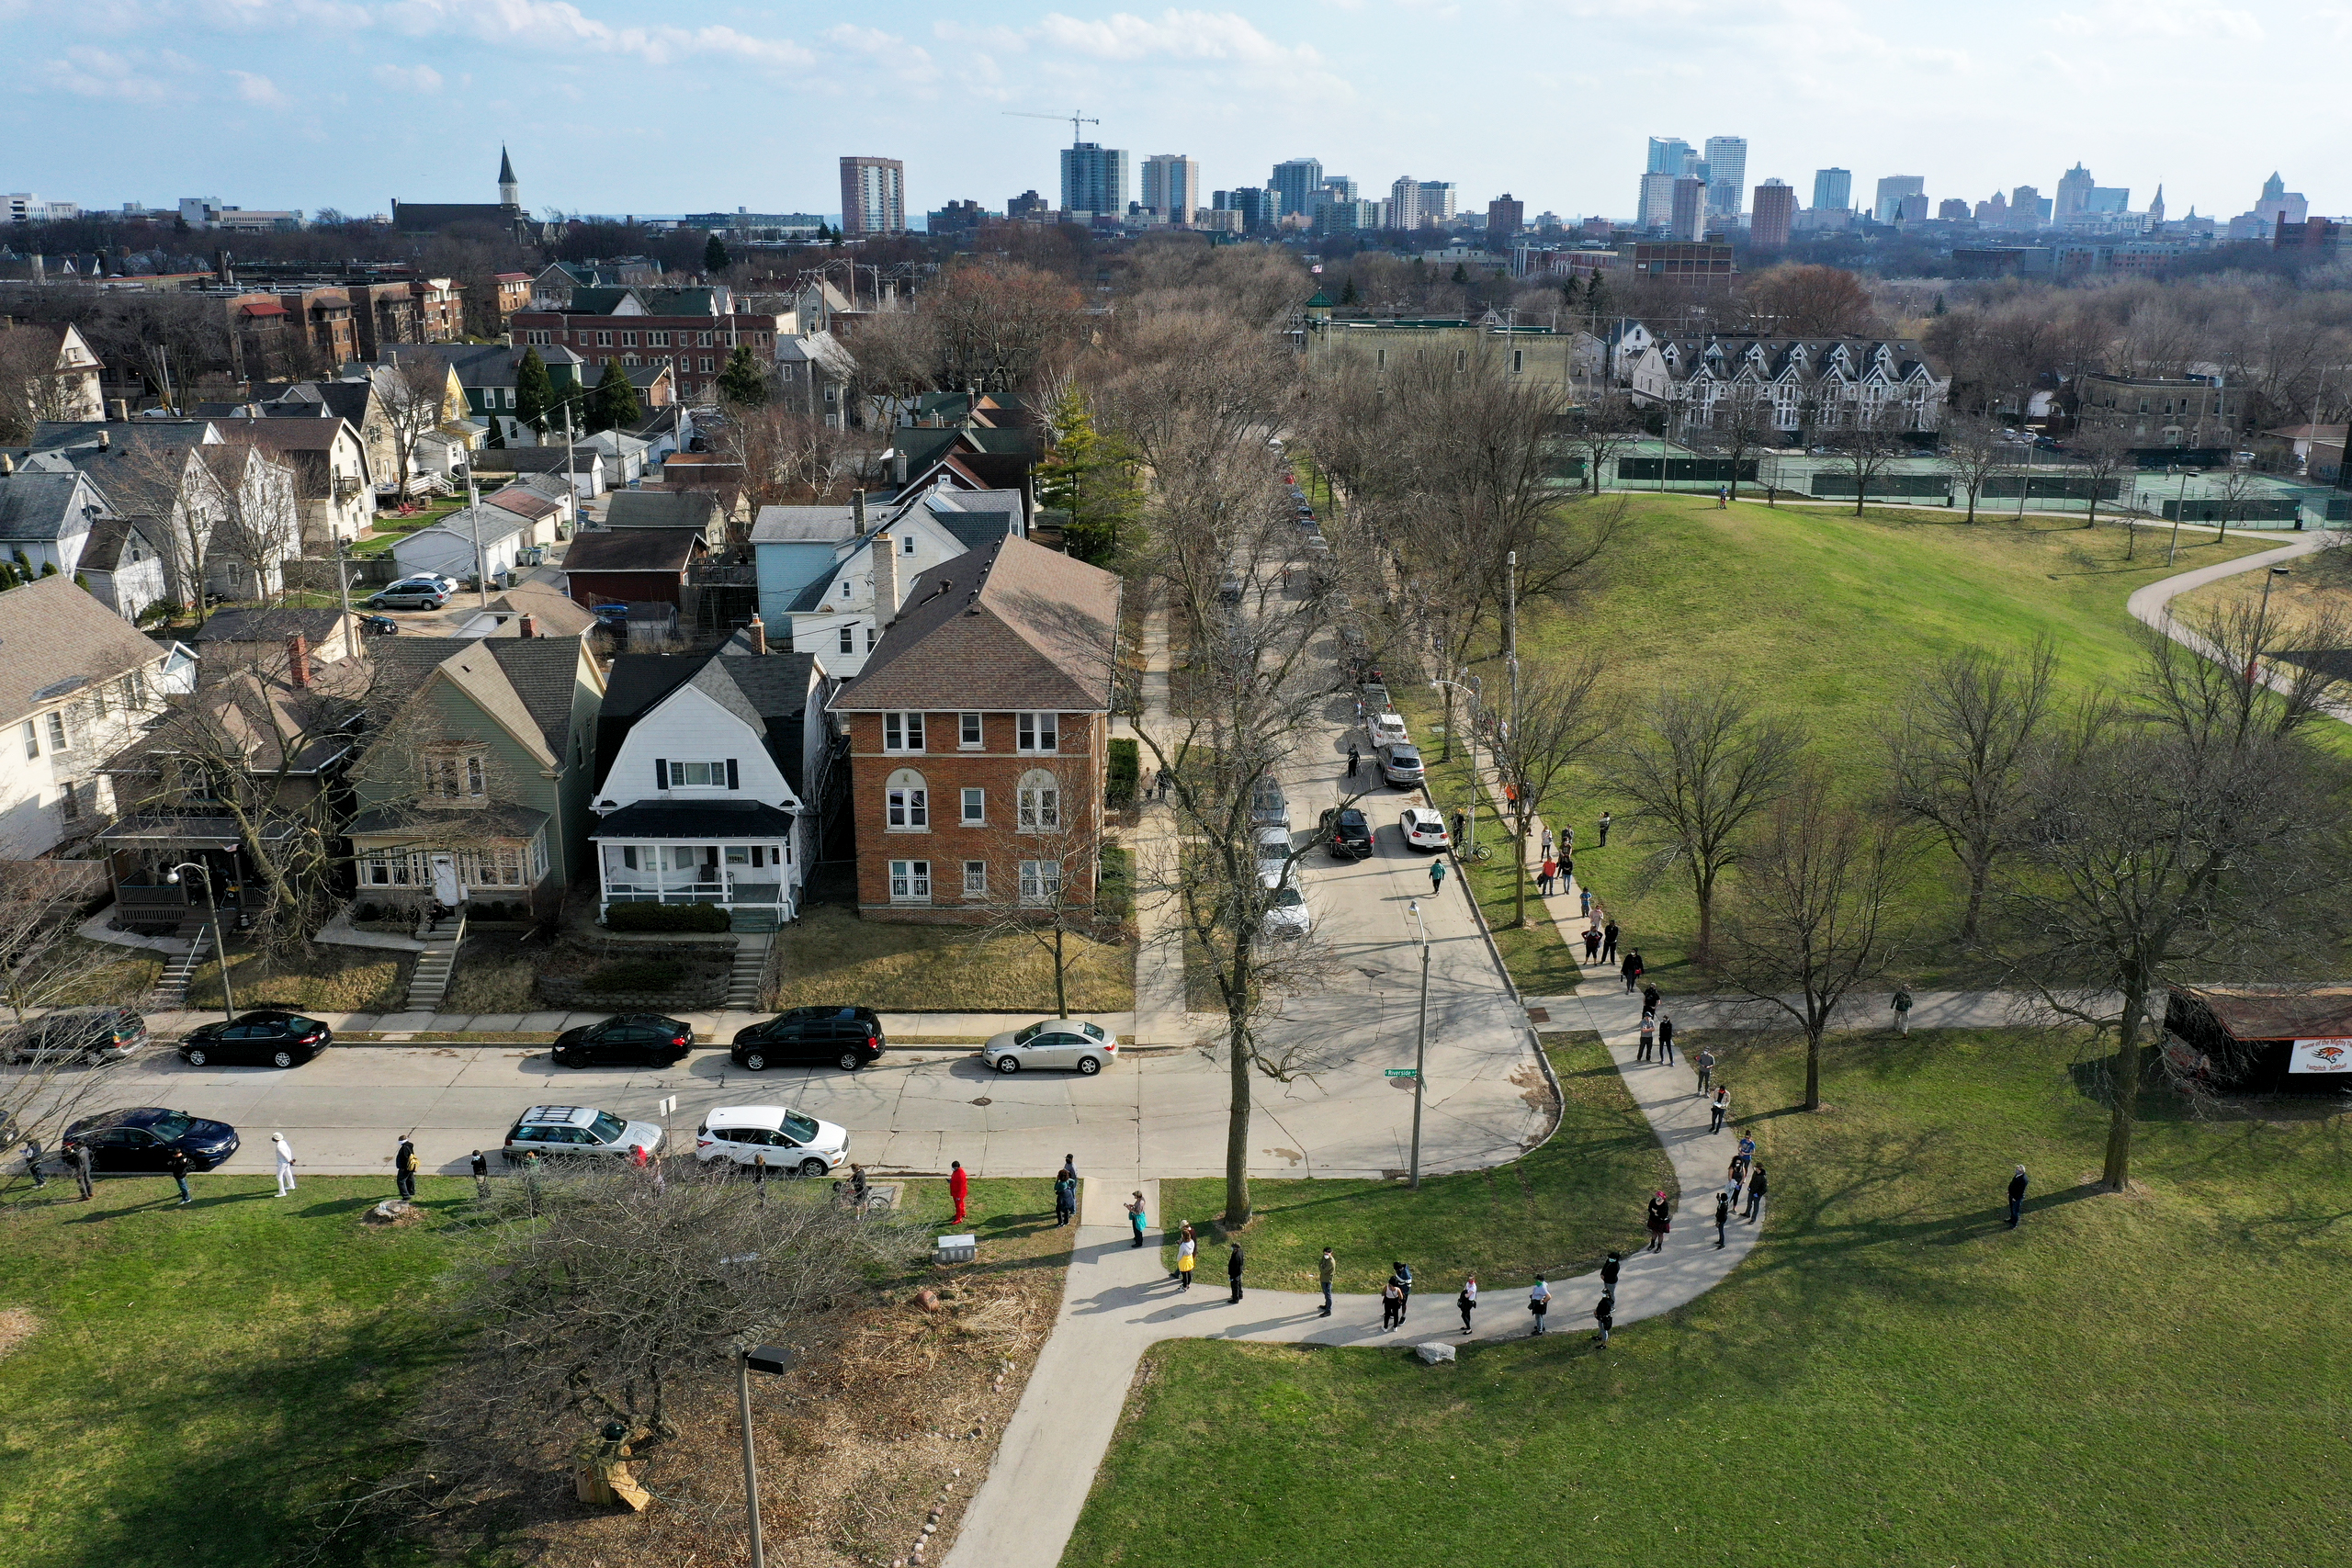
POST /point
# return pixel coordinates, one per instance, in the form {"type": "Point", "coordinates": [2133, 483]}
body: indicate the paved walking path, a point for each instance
{"type": "Point", "coordinates": [2153, 606]}
{"type": "Point", "coordinates": [1161, 1016]}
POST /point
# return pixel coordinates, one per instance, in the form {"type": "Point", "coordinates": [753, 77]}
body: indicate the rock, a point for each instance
{"type": "Point", "coordinates": [927, 1300]}
{"type": "Point", "coordinates": [394, 1212]}
{"type": "Point", "coordinates": [1434, 1353]}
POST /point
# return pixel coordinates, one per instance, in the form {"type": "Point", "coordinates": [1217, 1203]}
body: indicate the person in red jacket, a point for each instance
{"type": "Point", "coordinates": [959, 1187]}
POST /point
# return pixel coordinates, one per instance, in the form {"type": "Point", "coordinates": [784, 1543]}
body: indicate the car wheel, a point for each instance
{"type": "Point", "coordinates": [1088, 1066]}
{"type": "Point", "coordinates": [756, 1063]}
{"type": "Point", "coordinates": [195, 1058]}
{"type": "Point", "coordinates": [282, 1059]}
{"type": "Point", "coordinates": [812, 1169]}
{"type": "Point", "coordinates": [573, 1061]}
{"type": "Point", "coordinates": [849, 1061]}
{"type": "Point", "coordinates": [1007, 1065]}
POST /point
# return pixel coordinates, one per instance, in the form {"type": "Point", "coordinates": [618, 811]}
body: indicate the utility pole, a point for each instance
{"type": "Point", "coordinates": [1510, 630]}
{"type": "Point", "coordinates": [473, 515]}
{"type": "Point", "coordinates": [1420, 1041]}
{"type": "Point", "coordinates": [342, 575]}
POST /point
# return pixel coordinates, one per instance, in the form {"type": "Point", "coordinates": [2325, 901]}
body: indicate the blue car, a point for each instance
{"type": "Point", "coordinates": [142, 1137]}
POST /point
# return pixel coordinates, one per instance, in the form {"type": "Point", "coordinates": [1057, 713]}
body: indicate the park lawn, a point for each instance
{"type": "Point", "coordinates": [1554, 1213]}
{"type": "Point", "coordinates": [832, 953]}
{"type": "Point", "coordinates": [1893, 1377]}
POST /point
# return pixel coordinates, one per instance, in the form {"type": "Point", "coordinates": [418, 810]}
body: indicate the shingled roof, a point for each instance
{"type": "Point", "coordinates": [53, 633]}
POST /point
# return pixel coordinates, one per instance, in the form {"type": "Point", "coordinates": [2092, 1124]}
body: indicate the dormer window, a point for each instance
{"type": "Point", "coordinates": [458, 778]}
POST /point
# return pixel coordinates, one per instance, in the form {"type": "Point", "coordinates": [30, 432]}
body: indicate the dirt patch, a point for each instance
{"type": "Point", "coordinates": [1534, 1088]}
{"type": "Point", "coordinates": [17, 1326]}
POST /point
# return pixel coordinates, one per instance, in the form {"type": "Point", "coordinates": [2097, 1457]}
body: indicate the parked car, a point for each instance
{"type": "Point", "coordinates": [1273, 855]}
{"type": "Point", "coordinates": [379, 626]}
{"type": "Point", "coordinates": [268, 1036]}
{"type": "Point", "coordinates": [1387, 730]}
{"type": "Point", "coordinates": [1288, 914]}
{"type": "Point", "coordinates": [1400, 765]}
{"type": "Point", "coordinates": [1348, 831]}
{"type": "Point", "coordinates": [1373, 696]}
{"type": "Point", "coordinates": [141, 1138]}
{"type": "Point", "coordinates": [847, 1037]}
{"type": "Point", "coordinates": [93, 1035]}
{"type": "Point", "coordinates": [409, 596]}
{"type": "Point", "coordinates": [1229, 590]}
{"type": "Point", "coordinates": [630, 1037]}
{"type": "Point", "coordinates": [1053, 1042]}
{"type": "Point", "coordinates": [793, 1142]}
{"type": "Point", "coordinates": [1268, 807]}
{"type": "Point", "coordinates": [577, 1132]}
{"type": "Point", "coordinates": [1424, 828]}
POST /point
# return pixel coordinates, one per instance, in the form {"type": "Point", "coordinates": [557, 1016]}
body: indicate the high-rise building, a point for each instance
{"type": "Point", "coordinates": [2074, 196]}
{"type": "Point", "coordinates": [873, 195]}
{"type": "Point", "coordinates": [2277, 202]}
{"type": "Point", "coordinates": [1727, 175]}
{"type": "Point", "coordinates": [2029, 209]}
{"type": "Point", "coordinates": [1832, 188]}
{"type": "Point", "coordinates": [1657, 208]}
{"type": "Point", "coordinates": [1776, 210]}
{"type": "Point", "coordinates": [1296, 180]}
{"type": "Point", "coordinates": [1506, 215]}
{"type": "Point", "coordinates": [1171, 186]}
{"type": "Point", "coordinates": [1667, 154]}
{"type": "Point", "coordinates": [1028, 204]}
{"type": "Point", "coordinates": [1888, 208]}
{"type": "Point", "coordinates": [1341, 187]}
{"type": "Point", "coordinates": [1953, 209]}
{"type": "Point", "coordinates": [1405, 203]}
{"type": "Point", "coordinates": [1094, 178]}
{"type": "Point", "coordinates": [2109, 198]}
{"type": "Point", "coordinates": [1689, 220]}
{"type": "Point", "coordinates": [1260, 208]}
{"type": "Point", "coordinates": [1437, 202]}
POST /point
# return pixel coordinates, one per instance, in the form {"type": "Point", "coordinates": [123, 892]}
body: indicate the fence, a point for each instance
{"type": "Point", "coordinates": [1684, 470]}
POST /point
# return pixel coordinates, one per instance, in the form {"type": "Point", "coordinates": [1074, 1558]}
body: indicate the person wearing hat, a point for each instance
{"type": "Point", "coordinates": [1134, 1215]}
{"type": "Point", "coordinates": [481, 1174]}
{"type": "Point", "coordinates": [2016, 1197]}
{"type": "Point", "coordinates": [285, 1163]}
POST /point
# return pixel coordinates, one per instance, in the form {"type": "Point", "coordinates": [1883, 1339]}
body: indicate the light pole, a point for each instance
{"type": "Point", "coordinates": [220, 937]}
{"type": "Point", "coordinates": [1421, 1040]}
{"type": "Point", "coordinates": [2262, 621]}
{"type": "Point", "coordinates": [773, 1360]}
{"type": "Point", "coordinates": [2179, 507]}
{"type": "Point", "coordinates": [1472, 741]}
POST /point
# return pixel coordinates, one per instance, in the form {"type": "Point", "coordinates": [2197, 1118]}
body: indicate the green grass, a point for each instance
{"type": "Point", "coordinates": [389, 528]}
{"type": "Point", "coordinates": [1555, 1212]}
{"type": "Point", "coordinates": [1893, 1377]}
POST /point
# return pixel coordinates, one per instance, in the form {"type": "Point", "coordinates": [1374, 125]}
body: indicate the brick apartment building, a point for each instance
{"type": "Point", "coordinates": [691, 330]}
{"type": "Point", "coordinates": [979, 731]}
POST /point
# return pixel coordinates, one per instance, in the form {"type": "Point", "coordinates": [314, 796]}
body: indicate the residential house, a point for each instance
{"type": "Point", "coordinates": [485, 536]}
{"type": "Point", "coordinates": [813, 375]}
{"type": "Point", "coordinates": [591, 471]}
{"type": "Point", "coordinates": [514, 294]}
{"type": "Point", "coordinates": [76, 683]}
{"type": "Point", "coordinates": [525, 503]}
{"type": "Point", "coordinates": [531, 609]}
{"type": "Point", "coordinates": [632, 566]}
{"type": "Point", "coordinates": [713, 773]}
{"type": "Point", "coordinates": [358, 404]}
{"type": "Point", "coordinates": [46, 517]}
{"type": "Point", "coordinates": [626, 453]}
{"type": "Point", "coordinates": [477, 784]}
{"type": "Point", "coordinates": [260, 525]}
{"type": "Point", "coordinates": [693, 331]}
{"type": "Point", "coordinates": [551, 487]}
{"type": "Point", "coordinates": [1810, 385]}
{"type": "Point", "coordinates": [70, 389]}
{"type": "Point", "coordinates": [2161, 411]}
{"type": "Point", "coordinates": [980, 731]}
{"type": "Point", "coordinates": [334, 495]}
{"type": "Point", "coordinates": [695, 509]}
{"type": "Point", "coordinates": [122, 568]}
{"type": "Point", "coordinates": [235, 640]}
{"type": "Point", "coordinates": [487, 371]}
{"type": "Point", "coordinates": [154, 470]}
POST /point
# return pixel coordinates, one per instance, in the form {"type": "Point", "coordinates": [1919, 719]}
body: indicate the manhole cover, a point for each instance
{"type": "Point", "coordinates": [984, 1100]}
{"type": "Point", "coordinates": [1539, 1015]}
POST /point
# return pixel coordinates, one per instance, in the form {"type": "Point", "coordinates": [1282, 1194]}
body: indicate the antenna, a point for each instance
{"type": "Point", "coordinates": [1075, 118]}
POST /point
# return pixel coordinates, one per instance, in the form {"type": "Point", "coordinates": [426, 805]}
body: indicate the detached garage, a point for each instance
{"type": "Point", "coordinates": [2269, 1039]}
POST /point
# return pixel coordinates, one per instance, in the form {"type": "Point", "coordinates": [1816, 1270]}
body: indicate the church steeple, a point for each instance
{"type": "Point", "coordinates": [510, 190]}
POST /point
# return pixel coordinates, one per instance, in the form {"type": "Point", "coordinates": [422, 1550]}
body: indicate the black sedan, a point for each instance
{"type": "Point", "coordinates": [379, 626]}
{"type": "Point", "coordinates": [265, 1036]}
{"type": "Point", "coordinates": [846, 1037]}
{"type": "Point", "coordinates": [142, 1139]}
{"type": "Point", "coordinates": [1348, 833]}
{"type": "Point", "coordinates": [632, 1037]}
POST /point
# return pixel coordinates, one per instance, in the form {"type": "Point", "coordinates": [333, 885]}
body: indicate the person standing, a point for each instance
{"type": "Point", "coordinates": [1547, 843]}
{"type": "Point", "coordinates": [1649, 995]}
{"type": "Point", "coordinates": [1718, 1108]}
{"type": "Point", "coordinates": [1539, 1301]}
{"type": "Point", "coordinates": [175, 1164]}
{"type": "Point", "coordinates": [1389, 1299]}
{"type": "Point", "coordinates": [285, 1152]}
{"type": "Point", "coordinates": [1706, 1072]}
{"type": "Point", "coordinates": [1610, 1266]}
{"type": "Point", "coordinates": [1062, 1201]}
{"type": "Point", "coordinates": [1188, 1255]}
{"type": "Point", "coordinates": [1608, 942]}
{"type": "Point", "coordinates": [1403, 1277]}
{"type": "Point", "coordinates": [1437, 876]}
{"type": "Point", "coordinates": [760, 1178]}
{"type": "Point", "coordinates": [77, 1160]}
{"type": "Point", "coordinates": [404, 1167]}
{"type": "Point", "coordinates": [1568, 870]}
{"type": "Point", "coordinates": [1591, 943]}
{"type": "Point", "coordinates": [1584, 897]}
{"type": "Point", "coordinates": [33, 1162]}
{"type": "Point", "coordinates": [1649, 1037]}
{"type": "Point", "coordinates": [1604, 831]}
{"type": "Point", "coordinates": [1723, 1216]}
{"type": "Point", "coordinates": [1722, 498]}
{"type": "Point", "coordinates": [1736, 1176]}
{"type": "Point", "coordinates": [1324, 1271]}
{"type": "Point", "coordinates": [481, 1174]}
{"type": "Point", "coordinates": [1666, 1039]}
{"type": "Point", "coordinates": [1135, 1211]}
{"type": "Point", "coordinates": [1747, 1152]}
{"type": "Point", "coordinates": [1355, 757]}
{"type": "Point", "coordinates": [1467, 1301]}
{"type": "Point", "coordinates": [1660, 1220]}
{"type": "Point", "coordinates": [2016, 1197]}
{"type": "Point", "coordinates": [1604, 1312]}
{"type": "Point", "coordinates": [1069, 1171]}
{"type": "Point", "coordinates": [1756, 1191]}
{"type": "Point", "coordinates": [959, 1187]}
{"type": "Point", "coordinates": [1233, 1265]}
{"type": "Point", "coordinates": [1458, 824]}
{"type": "Point", "coordinates": [1902, 1010]}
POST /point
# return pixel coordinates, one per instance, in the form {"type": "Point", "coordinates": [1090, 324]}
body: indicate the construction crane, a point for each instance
{"type": "Point", "coordinates": [1075, 118]}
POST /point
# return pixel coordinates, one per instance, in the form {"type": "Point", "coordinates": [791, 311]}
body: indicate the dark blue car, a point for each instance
{"type": "Point", "coordinates": [142, 1137]}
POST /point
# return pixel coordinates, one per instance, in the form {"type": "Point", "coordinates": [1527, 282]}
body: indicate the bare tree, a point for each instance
{"type": "Point", "coordinates": [2237, 486]}
{"type": "Point", "coordinates": [1958, 761]}
{"type": "Point", "coordinates": [1603, 425]}
{"type": "Point", "coordinates": [414, 398]}
{"type": "Point", "coordinates": [1042, 880]}
{"type": "Point", "coordinates": [1974, 452]}
{"type": "Point", "coordinates": [787, 453]}
{"type": "Point", "coordinates": [1811, 920]}
{"type": "Point", "coordinates": [998, 326]}
{"type": "Point", "coordinates": [2229, 687]}
{"type": "Point", "coordinates": [174, 485]}
{"type": "Point", "coordinates": [1741, 421]}
{"type": "Point", "coordinates": [260, 524]}
{"type": "Point", "coordinates": [2102, 451]}
{"type": "Point", "coordinates": [1702, 762]}
{"type": "Point", "coordinates": [1865, 450]}
{"type": "Point", "coordinates": [1563, 715]}
{"type": "Point", "coordinates": [30, 389]}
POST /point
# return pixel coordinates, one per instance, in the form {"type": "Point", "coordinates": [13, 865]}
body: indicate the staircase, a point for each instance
{"type": "Point", "coordinates": [428, 982]}
{"type": "Point", "coordinates": [171, 991]}
{"type": "Point", "coordinates": [750, 962]}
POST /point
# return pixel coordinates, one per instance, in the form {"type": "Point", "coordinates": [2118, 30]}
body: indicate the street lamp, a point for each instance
{"type": "Point", "coordinates": [1421, 1040]}
{"type": "Point", "coordinates": [773, 1359]}
{"type": "Point", "coordinates": [2179, 509]}
{"type": "Point", "coordinates": [2269, 577]}
{"type": "Point", "coordinates": [220, 937]}
{"type": "Point", "coordinates": [1472, 690]}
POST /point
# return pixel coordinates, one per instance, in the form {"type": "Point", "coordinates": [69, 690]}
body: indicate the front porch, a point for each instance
{"type": "Point", "coordinates": [736, 854]}
{"type": "Point", "coordinates": [475, 858]}
{"type": "Point", "coordinates": [141, 853]}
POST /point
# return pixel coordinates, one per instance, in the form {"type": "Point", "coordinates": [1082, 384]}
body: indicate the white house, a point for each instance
{"type": "Point", "coordinates": [712, 775]}
{"type": "Point", "coordinates": [46, 516]}
{"type": "Point", "coordinates": [449, 546]}
{"type": "Point", "coordinates": [69, 390]}
{"type": "Point", "coordinates": [627, 452]}
{"type": "Point", "coordinates": [123, 567]}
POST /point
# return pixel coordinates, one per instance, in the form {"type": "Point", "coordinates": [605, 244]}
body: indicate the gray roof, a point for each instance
{"type": "Point", "coordinates": [52, 633]}
{"type": "Point", "coordinates": [769, 692]}
{"type": "Point", "coordinates": [632, 550]}
{"type": "Point", "coordinates": [103, 550]}
{"type": "Point", "coordinates": [47, 506]}
{"type": "Point", "coordinates": [705, 820]}
{"type": "Point", "coordinates": [540, 669]}
{"type": "Point", "coordinates": [662, 509]}
{"type": "Point", "coordinates": [804, 524]}
{"type": "Point", "coordinates": [270, 625]}
{"type": "Point", "coordinates": [497, 522]}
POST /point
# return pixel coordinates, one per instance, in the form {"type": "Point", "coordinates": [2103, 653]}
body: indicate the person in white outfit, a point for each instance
{"type": "Point", "coordinates": [285, 1163]}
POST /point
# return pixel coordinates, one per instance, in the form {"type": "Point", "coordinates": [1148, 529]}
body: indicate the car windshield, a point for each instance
{"type": "Point", "coordinates": [1350, 818]}
{"type": "Point", "coordinates": [170, 1127]}
{"type": "Point", "coordinates": [607, 1127]}
{"type": "Point", "coordinates": [1289, 899]}
{"type": "Point", "coordinates": [1027, 1034]}
{"type": "Point", "coordinates": [798, 1128]}
{"type": "Point", "coordinates": [1092, 1032]}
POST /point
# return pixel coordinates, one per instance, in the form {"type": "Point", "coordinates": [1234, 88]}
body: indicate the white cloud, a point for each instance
{"type": "Point", "coordinates": [408, 78]}
{"type": "Point", "coordinates": [258, 89]}
{"type": "Point", "coordinates": [1177, 35]}
{"type": "Point", "coordinates": [97, 73]}
{"type": "Point", "coordinates": [557, 25]}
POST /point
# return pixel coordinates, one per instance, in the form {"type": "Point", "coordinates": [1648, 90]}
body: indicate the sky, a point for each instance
{"type": "Point", "coordinates": [659, 107]}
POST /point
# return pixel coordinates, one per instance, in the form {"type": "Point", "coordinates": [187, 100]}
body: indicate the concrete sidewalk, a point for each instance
{"type": "Point", "coordinates": [710, 1027]}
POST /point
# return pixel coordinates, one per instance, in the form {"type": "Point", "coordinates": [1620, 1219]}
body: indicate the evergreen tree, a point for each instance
{"type": "Point", "coordinates": [824, 230]}
{"type": "Point", "coordinates": [1597, 302]}
{"type": "Point", "coordinates": [714, 256]}
{"type": "Point", "coordinates": [1091, 478]}
{"type": "Point", "coordinates": [741, 382]}
{"type": "Point", "coordinates": [497, 440]}
{"type": "Point", "coordinates": [1939, 305]}
{"type": "Point", "coordinates": [613, 403]}
{"type": "Point", "coordinates": [49, 569]}
{"type": "Point", "coordinates": [533, 390]}
{"type": "Point", "coordinates": [1568, 293]}
{"type": "Point", "coordinates": [1348, 295]}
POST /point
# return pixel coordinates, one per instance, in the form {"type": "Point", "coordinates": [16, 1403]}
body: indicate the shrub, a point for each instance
{"type": "Point", "coordinates": [363, 911]}
{"type": "Point", "coordinates": [635, 974]}
{"type": "Point", "coordinates": [1125, 772]}
{"type": "Point", "coordinates": [666, 917]}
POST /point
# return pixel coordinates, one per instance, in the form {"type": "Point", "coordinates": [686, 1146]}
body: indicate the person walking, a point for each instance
{"type": "Point", "coordinates": [1568, 870]}
{"type": "Point", "coordinates": [1610, 1266]}
{"type": "Point", "coordinates": [1065, 1200]}
{"type": "Point", "coordinates": [1626, 972]}
{"type": "Point", "coordinates": [1539, 1301]}
{"type": "Point", "coordinates": [481, 1174]}
{"type": "Point", "coordinates": [1547, 843]}
{"type": "Point", "coordinates": [1604, 1312]}
{"type": "Point", "coordinates": [285, 1152]}
{"type": "Point", "coordinates": [33, 1163]}
{"type": "Point", "coordinates": [1706, 1065]}
{"type": "Point", "coordinates": [1633, 961]}
{"type": "Point", "coordinates": [1718, 1108]}
{"type": "Point", "coordinates": [1608, 942]}
{"type": "Point", "coordinates": [760, 1178]}
{"type": "Point", "coordinates": [1437, 876]}
{"type": "Point", "coordinates": [1649, 995]}
{"type": "Point", "coordinates": [1723, 1214]}
{"type": "Point", "coordinates": [1722, 498]}
{"type": "Point", "coordinates": [404, 1167]}
{"type": "Point", "coordinates": [1568, 842]}
{"type": "Point", "coordinates": [1390, 1301]}
{"type": "Point", "coordinates": [1468, 1300]}
{"type": "Point", "coordinates": [1666, 1038]}
{"type": "Point", "coordinates": [1735, 1177]}
{"type": "Point", "coordinates": [1544, 874]}
{"type": "Point", "coordinates": [1324, 1271]}
{"type": "Point", "coordinates": [1756, 1191]}
{"type": "Point", "coordinates": [2016, 1197]}
{"type": "Point", "coordinates": [1188, 1255]}
{"type": "Point", "coordinates": [1592, 942]}
{"type": "Point", "coordinates": [1134, 1213]}
{"type": "Point", "coordinates": [175, 1165]}
{"type": "Point", "coordinates": [1902, 1010]}
{"type": "Point", "coordinates": [1660, 1220]}
{"type": "Point", "coordinates": [77, 1160]}
{"type": "Point", "coordinates": [959, 1187]}
{"type": "Point", "coordinates": [1403, 1277]}
{"type": "Point", "coordinates": [1649, 1037]}
{"type": "Point", "coordinates": [1233, 1265]}
{"type": "Point", "coordinates": [1355, 757]}
{"type": "Point", "coordinates": [1604, 831]}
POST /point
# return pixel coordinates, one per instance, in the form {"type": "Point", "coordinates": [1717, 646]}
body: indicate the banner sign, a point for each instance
{"type": "Point", "coordinates": [2332, 1055]}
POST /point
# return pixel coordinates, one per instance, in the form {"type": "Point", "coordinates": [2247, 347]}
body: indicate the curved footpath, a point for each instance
{"type": "Point", "coordinates": [1118, 1302]}
{"type": "Point", "coordinates": [2151, 606]}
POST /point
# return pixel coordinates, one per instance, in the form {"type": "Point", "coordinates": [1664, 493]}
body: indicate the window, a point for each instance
{"type": "Point", "coordinates": [705, 361]}
{"type": "Point", "coordinates": [1462, 359]}
{"type": "Point", "coordinates": [456, 777]}
{"type": "Point", "coordinates": [902, 732]}
{"type": "Point", "coordinates": [701, 776]}
{"type": "Point", "coordinates": [1034, 731]}
{"type": "Point", "coordinates": [975, 807]}
{"type": "Point", "coordinates": [1040, 881]}
{"type": "Point", "coordinates": [911, 882]}
{"type": "Point", "coordinates": [628, 359]}
{"type": "Point", "coordinates": [629, 340]}
{"type": "Point", "coordinates": [869, 639]}
{"type": "Point", "coordinates": [538, 339]}
{"type": "Point", "coordinates": [657, 340]}
{"type": "Point", "coordinates": [907, 546]}
{"type": "Point", "coordinates": [702, 339]}
{"type": "Point", "coordinates": [907, 803]}
{"type": "Point", "coordinates": [473, 776]}
{"type": "Point", "coordinates": [1041, 802]}
{"type": "Point", "coordinates": [32, 740]}
{"type": "Point", "coordinates": [967, 731]}
{"type": "Point", "coordinates": [604, 340]}
{"type": "Point", "coordinates": [976, 879]}
{"type": "Point", "coordinates": [844, 589]}
{"type": "Point", "coordinates": [849, 640]}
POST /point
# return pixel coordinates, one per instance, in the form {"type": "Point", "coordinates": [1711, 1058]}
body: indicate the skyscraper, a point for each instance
{"type": "Point", "coordinates": [1341, 187]}
{"type": "Point", "coordinates": [873, 195]}
{"type": "Point", "coordinates": [1727, 175]}
{"type": "Point", "coordinates": [1776, 210]}
{"type": "Point", "coordinates": [1094, 178]}
{"type": "Point", "coordinates": [1888, 208]}
{"type": "Point", "coordinates": [1688, 220]}
{"type": "Point", "coordinates": [1506, 215]}
{"type": "Point", "coordinates": [1171, 186]}
{"type": "Point", "coordinates": [1295, 181]}
{"type": "Point", "coordinates": [1833, 188]}
{"type": "Point", "coordinates": [1437, 202]}
{"type": "Point", "coordinates": [2074, 196]}
{"type": "Point", "coordinates": [1667, 154]}
{"type": "Point", "coordinates": [1657, 206]}
{"type": "Point", "coordinates": [1259, 207]}
{"type": "Point", "coordinates": [1405, 203]}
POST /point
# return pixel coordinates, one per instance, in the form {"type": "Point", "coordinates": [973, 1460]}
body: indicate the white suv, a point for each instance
{"type": "Point", "coordinates": [793, 1143]}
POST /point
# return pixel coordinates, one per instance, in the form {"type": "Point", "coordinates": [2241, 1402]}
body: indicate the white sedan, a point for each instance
{"type": "Point", "coordinates": [1053, 1042]}
{"type": "Point", "coordinates": [1424, 828]}
{"type": "Point", "coordinates": [1288, 914]}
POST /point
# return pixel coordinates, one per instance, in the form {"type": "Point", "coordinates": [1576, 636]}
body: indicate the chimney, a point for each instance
{"type": "Point", "coordinates": [119, 410]}
{"type": "Point", "coordinates": [105, 439]}
{"type": "Point", "coordinates": [755, 632]}
{"type": "Point", "coordinates": [885, 577]}
{"type": "Point", "coordinates": [8, 464]}
{"type": "Point", "coordinates": [899, 468]}
{"type": "Point", "coordinates": [857, 509]}
{"type": "Point", "coordinates": [527, 626]}
{"type": "Point", "coordinates": [298, 660]}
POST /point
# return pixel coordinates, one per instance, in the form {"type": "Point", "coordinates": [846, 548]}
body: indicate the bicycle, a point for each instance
{"type": "Point", "coordinates": [1475, 855]}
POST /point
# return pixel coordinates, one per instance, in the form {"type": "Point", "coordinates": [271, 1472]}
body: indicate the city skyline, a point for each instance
{"type": "Point", "coordinates": [1237, 93]}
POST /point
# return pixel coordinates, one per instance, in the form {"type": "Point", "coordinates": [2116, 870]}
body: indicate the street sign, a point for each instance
{"type": "Point", "coordinates": [1401, 1073]}
{"type": "Point", "coordinates": [668, 1105]}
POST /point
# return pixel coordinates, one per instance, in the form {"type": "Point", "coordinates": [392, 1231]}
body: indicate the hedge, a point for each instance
{"type": "Point", "coordinates": [666, 917]}
{"type": "Point", "coordinates": [1126, 773]}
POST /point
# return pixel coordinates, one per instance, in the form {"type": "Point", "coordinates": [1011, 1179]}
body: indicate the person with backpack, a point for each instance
{"type": "Point", "coordinates": [1467, 1301]}
{"type": "Point", "coordinates": [1539, 1301]}
{"type": "Point", "coordinates": [1403, 1279]}
{"type": "Point", "coordinates": [1065, 1200]}
{"type": "Point", "coordinates": [481, 1174]}
{"type": "Point", "coordinates": [1604, 1312]}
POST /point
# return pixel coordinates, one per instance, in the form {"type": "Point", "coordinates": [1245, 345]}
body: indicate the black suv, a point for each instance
{"type": "Point", "coordinates": [1349, 834]}
{"type": "Point", "coordinates": [631, 1037]}
{"type": "Point", "coordinates": [847, 1037]}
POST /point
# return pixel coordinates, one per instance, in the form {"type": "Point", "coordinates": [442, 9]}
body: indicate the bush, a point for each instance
{"type": "Point", "coordinates": [363, 911]}
{"type": "Point", "coordinates": [1124, 773]}
{"type": "Point", "coordinates": [634, 974]}
{"type": "Point", "coordinates": [666, 917]}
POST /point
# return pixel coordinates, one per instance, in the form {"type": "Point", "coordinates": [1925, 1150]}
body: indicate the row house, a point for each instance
{"type": "Point", "coordinates": [1810, 385]}
{"type": "Point", "coordinates": [693, 331]}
